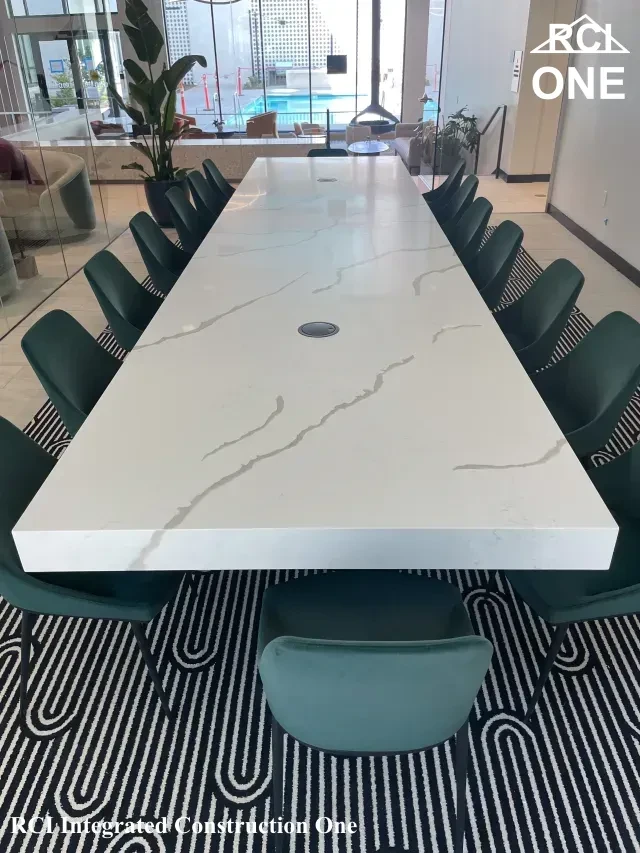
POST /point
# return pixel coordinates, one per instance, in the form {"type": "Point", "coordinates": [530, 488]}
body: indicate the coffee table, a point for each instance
{"type": "Point", "coordinates": [368, 147]}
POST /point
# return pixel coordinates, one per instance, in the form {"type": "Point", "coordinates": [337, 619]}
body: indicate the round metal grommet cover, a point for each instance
{"type": "Point", "coordinates": [318, 329]}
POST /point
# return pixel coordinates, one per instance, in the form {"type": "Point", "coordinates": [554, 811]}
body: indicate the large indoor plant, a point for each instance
{"type": "Point", "coordinates": [460, 132]}
{"type": "Point", "coordinates": [155, 107]}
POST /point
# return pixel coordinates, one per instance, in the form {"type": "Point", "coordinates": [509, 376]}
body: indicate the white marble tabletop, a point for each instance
{"type": "Point", "coordinates": [411, 438]}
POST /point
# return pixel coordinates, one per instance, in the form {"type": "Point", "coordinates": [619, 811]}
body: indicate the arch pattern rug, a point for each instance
{"type": "Point", "coordinates": [99, 748]}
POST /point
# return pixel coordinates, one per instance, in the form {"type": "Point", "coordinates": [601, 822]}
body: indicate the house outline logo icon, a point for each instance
{"type": "Point", "coordinates": [562, 33]}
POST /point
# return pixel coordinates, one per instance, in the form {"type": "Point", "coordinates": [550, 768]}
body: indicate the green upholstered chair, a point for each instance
{"type": "Point", "coordinates": [328, 152]}
{"type": "Point", "coordinates": [588, 390]}
{"type": "Point", "coordinates": [133, 597]}
{"type": "Point", "coordinates": [216, 178]}
{"type": "Point", "coordinates": [564, 598]}
{"type": "Point", "coordinates": [164, 261]}
{"type": "Point", "coordinates": [469, 232]}
{"type": "Point", "coordinates": [491, 266]}
{"type": "Point", "coordinates": [71, 365]}
{"type": "Point", "coordinates": [441, 196]}
{"type": "Point", "coordinates": [534, 323]}
{"type": "Point", "coordinates": [209, 203]}
{"type": "Point", "coordinates": [370, 663]}
{"type": "Point", "coordinates": [192, 228]}
{"type": "Point", "coordinates": [449, 215]}
{"type": "Point", "coordinates": [127, 306]}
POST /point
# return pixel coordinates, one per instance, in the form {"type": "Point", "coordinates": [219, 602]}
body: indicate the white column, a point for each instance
{"type": "Point", "coordinates": [415, 58]}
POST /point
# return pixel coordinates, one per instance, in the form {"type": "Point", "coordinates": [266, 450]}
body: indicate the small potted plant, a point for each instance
{"type": "Point", "coordinates": [155, 109]}
{"type": "Point", "coordinates": [460, 132]}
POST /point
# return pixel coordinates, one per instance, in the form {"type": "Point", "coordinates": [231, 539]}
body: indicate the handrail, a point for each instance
{"type": "Point", "coordinates": [502, 107]}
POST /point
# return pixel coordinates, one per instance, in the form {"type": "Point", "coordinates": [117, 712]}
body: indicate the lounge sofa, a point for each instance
{"type": "Point", "coordinates": [409, 144]}
{"type": "Point", "coordinates": [59, 204]}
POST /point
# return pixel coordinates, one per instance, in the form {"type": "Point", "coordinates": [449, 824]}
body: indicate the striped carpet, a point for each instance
{"type": "Point", "coordinates": [99, 749]}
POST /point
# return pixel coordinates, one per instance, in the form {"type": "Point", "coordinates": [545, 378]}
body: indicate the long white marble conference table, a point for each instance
{"type": "Point", "coordinates": [410, 438]}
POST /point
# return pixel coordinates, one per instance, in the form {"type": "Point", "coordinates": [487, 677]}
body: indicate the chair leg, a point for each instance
{"type": "Point", "coordinates": [27, 623]}
{"type": "Point", "coordinates": [277, 777]}
{"type": "Point", "coordinates": [147, 657]}
{"type": "Point", "coordinates": [556, 644]}
{"type": "Point", "coordinates": [462, 754]}
{"type": "Point", "coordinates": [492, 586]}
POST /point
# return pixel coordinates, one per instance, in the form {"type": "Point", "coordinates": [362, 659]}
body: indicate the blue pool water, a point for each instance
{"type": "Point", "coordinates": [296, 107]}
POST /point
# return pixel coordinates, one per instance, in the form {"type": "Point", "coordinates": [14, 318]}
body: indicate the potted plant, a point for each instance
{"type": "Point", "coordinates": [155, 109]}
{"type": "Point", "coordinates": [461, 131]}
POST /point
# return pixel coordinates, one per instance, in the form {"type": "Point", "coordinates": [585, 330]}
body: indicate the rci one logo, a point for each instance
{"type": "Point", "coordinates": [590, 38]}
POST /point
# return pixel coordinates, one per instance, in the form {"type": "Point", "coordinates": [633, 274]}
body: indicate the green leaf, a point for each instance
{"type": "Point", "coordinates": [180, 68]}
{"type": "Point", "coordinates": [135, 167]}
{"type": "Point", "coordinates": [169, 114]}
{"type": "Point", "coordinates": [135, 72]}
{"type": "Point", "coordinates": [182, 173]}
{"type": "Point", "coordinates": [145, 37]}
{"type": "Point", "coordinates": [132, 112]}
{"type": "Point", "coordinates": [143, 149]}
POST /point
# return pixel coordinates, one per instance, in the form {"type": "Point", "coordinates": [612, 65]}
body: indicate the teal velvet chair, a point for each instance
{"type": "Point", "coordinates": [564, 598]}
{"type": "Point", "coordinates": [128, 307]}
{"type": "Point", "coordinates": [164, 261]}
{"type": "Point", "coordinates": [192, 228]}
{"type": "Point", "coordinates": [133, 597]}
{"type": "Point", "coordinates": [491, 266]}
{"type": "Point", "coordinates": [588, 390]}
{"type": "Point", "coordinates": [71, 365]}
{"type": "Point", "coordinates": [449, 215]}
{"type": "Point", "coordinates": [216, 178]}
{"type": "Point", "coordinates": [440, 197]}
{"type": "Point", "coordinates": [328, 152]}
{"type": "Point", "coordinates": [209, 203]}
{"type": "Point", "coordinates": [469, 232]}
{"type": "Point", "coordinates": [370, 663]}
{"type": "Point", "coordinates": [534, 323]}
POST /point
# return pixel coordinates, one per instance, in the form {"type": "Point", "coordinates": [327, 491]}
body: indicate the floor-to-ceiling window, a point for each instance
{"type": "Point", "coordinates": [299, 58]}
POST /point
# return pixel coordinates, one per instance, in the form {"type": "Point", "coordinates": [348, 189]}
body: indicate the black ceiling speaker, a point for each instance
{"type": "Point", "coordinates": [375, 116]}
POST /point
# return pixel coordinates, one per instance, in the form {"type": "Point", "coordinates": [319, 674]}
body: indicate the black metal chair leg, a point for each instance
{"type": "Point", "coordinates": [462, 754]}
{"type": "Point", "coordinates": [145, 650]}
{"type": "Point", "coordinates": [277, 776]}
{"type": "Point", "coordinates": [556, 644]}
{"type": "Point", "coordinates": [492, 586]}
{"type": "Point", "coordinates": [28, 621]}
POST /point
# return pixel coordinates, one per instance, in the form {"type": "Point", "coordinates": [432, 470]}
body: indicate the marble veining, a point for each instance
{"type": "Point", "coordinates": [413, 438]}
{"type": "Point", "coordinates": [557, 447]}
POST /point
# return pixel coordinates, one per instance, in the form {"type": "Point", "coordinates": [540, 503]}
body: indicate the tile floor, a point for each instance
{"type": "Point", "coordinates": [605, 290]}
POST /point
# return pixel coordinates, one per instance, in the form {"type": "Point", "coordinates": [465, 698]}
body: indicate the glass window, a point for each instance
{"type": "Point", "coordinates": [44, 7]}
{"type": "Point", "coordinates": [266, 55]}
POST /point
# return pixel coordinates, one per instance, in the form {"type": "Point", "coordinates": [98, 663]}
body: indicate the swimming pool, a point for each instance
{"type": "Point", "coordinates": [292, 107]}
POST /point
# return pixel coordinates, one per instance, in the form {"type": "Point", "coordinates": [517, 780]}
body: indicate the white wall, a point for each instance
{"type": "Point", "coordinates": [598, 143]}
{"type": "Point", "coordinates": [478, 66]}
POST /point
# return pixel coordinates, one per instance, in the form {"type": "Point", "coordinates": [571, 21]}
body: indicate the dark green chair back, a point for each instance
{"type": "Point", "coordinates": [443, 194]}
{"type": "Point", "coordinates": [534, 323]}
{"type": "Point", "coordinates": [71, 365]}
{"type": "Point", "coordinates": [467, 236]}
{"type": "Point", "coordinates": [192, 228]}
{"type": "Point", "coordinates": [449, 215]}
{"type": "Point", "coordinates": [588, 390]}
{"type": "Point", "coordinates": [618, 483]}
{"type": "Point", "coordinates": [328, 152]}
{"type": "Point", "coordinates": [209, 204]}
{"type": "Point", "coordinates": [216, 179]}
{"type": "Point", "coordinates": [164, 261]}
{"type": "Point", "coordinates": [24, 466]}
{"type": "Point", "coordinates": [491, 267]}
{"type": "Point", "coordinates": [127, 306]}
{"type": "Point", "coordinates": [417, 694]}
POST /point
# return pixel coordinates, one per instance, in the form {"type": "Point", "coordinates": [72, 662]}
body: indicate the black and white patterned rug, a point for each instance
{"type": "Point", "coordinates": [100, 749]}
